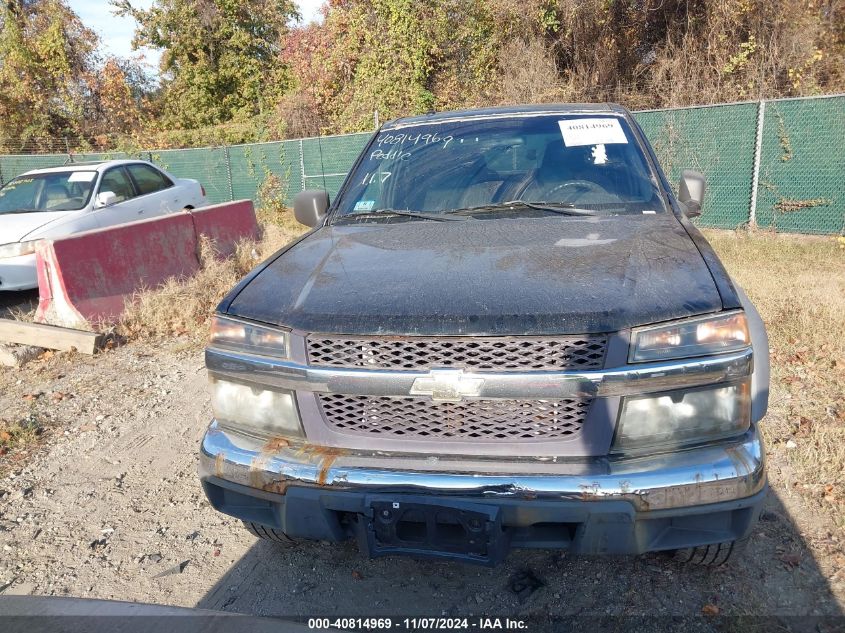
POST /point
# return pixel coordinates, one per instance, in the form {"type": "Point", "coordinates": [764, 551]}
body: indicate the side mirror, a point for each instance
{"type": "Point", "coordinates": [310, 206]}
{"type": "Point", "coordinates": [104, 199]}
{"type": "Point", "coordinates": [691, 192]}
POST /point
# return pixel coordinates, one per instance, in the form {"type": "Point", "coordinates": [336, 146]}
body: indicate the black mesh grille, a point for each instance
{"type": "Point", "coordinates": [475, 420]}
{"type": "Point", "coordinates": [479, 354]}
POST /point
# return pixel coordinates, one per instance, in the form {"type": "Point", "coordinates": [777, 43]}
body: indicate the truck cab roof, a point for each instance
{"type": "Point", "coordinates": [508, 111]}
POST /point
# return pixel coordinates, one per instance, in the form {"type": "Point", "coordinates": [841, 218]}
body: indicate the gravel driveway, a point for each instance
{"type": "Point", "coordinates": [111, 507]}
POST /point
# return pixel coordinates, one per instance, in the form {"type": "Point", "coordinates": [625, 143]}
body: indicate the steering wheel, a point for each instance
{"type": "Point", "coordinates": [580, 186]}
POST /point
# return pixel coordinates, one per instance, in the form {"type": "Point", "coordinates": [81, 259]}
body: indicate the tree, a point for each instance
{"type": "Point", "coordinates": [402, 57]}
{"type": "Point", "coordinates": [221, 57]}
{"type": "Point", "coordinates": [118, 102]}
{"type": "Point", "coordinates": [46, 57]}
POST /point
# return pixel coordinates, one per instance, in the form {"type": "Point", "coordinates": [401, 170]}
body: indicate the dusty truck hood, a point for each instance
{"type": "Point", "coordinates": [484, 276]}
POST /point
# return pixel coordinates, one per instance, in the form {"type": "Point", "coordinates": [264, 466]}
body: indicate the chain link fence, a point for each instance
{"type": "Point", "coordinates": [802, 166]}
{"type": "Point", "coordinates": [779, 164]}
{"type": "Point", "coordinates": [717, 141]}
{"type": "Point", "coordinates": [238, 171]}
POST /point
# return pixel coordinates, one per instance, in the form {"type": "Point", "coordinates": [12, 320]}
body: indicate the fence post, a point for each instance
{"type": "Point", "coordinates": [301, 167]}
{"type": "Point", "coordinates": [755, 178]}
{"type": "Point", "coordinates": [229, 172]}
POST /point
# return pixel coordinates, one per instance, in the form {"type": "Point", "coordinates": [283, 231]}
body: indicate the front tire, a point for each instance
{"type": "Point", "coordinates": [714, 555]}
{"type": "Point", "coordinates": [269, 534]}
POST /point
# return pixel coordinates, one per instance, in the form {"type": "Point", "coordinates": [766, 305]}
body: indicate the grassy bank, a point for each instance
{"type": "Point", "coordinates": [798, 285]}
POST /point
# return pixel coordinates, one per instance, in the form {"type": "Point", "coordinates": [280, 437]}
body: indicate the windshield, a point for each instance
{"type": "Point", "coordinates": [54, 191]}
{"type": "Point", "coordinates": [591, 162]}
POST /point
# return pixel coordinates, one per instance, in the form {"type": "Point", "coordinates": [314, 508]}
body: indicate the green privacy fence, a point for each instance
{"type": "Point", "coordinates": [802, 166]}
{"type": "Point", "coordinates": [778, 164]}
{"type": "Point", "coordinates": [718, 142]}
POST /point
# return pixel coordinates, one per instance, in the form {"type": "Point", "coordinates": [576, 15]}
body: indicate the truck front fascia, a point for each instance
{"type": "Point", "coordinates": [623, 381]}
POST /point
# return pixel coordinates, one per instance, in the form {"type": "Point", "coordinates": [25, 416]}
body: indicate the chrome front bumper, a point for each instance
{"type": "Point", "coordinates": [728, 471]}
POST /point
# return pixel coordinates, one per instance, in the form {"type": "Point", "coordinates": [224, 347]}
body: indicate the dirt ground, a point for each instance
{"type": "Point", "coordinates": [101, 497]}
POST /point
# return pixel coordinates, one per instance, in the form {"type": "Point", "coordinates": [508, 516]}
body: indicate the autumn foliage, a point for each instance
{"type": "Point", "coordinates": [245, 70]}
{"type": "Point", "coordinates": [402, 56]}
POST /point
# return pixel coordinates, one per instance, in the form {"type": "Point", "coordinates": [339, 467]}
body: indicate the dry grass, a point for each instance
{"type": "Point", "coordinates": [528, 73]}
{"type": "Point", "coordinates": [18, 433]}
{"type": "Point", "coordinates": [23, 314]}
{"type": "Point", "coordinates": [798, 285]}
{"type": "Point", "coordinates": [184, 306]}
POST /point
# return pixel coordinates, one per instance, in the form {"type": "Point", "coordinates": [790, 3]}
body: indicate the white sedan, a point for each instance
{"type": "Point", "coordinates": [59, 201]}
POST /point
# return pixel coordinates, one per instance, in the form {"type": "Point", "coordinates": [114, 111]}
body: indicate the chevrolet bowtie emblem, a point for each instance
{"type": "Point", "coordinates": [446, 385]}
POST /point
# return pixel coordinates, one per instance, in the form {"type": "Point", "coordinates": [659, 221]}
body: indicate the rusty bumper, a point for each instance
{"type": "Point", "coordinates": [728, 471]}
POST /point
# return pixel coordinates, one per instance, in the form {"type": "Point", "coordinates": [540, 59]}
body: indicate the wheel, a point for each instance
{"type": "Point", "coordinates": [714, 555]}
{"type": "Point", "coordinates": [269, 534]}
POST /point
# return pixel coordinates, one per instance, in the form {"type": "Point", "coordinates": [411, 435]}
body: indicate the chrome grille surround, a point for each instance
{"type": "Point", "coordinates": [524, 353]}
{"type": "Point", "coordinates": [470, 420]}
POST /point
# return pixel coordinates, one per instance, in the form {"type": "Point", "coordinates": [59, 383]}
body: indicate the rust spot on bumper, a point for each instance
{"type": "Point", "coordinates": [275, 444]}
{"type": "Point", "coordinates": [279, 487]}
{"type": "Point", "coordinates": [257, 474]}
{"type": "Point", "coordinates": [256, 471]}
{"type": "Point", "coordinates": [321, 456]}
{"type": "Point", "coordinates": [327, 456]}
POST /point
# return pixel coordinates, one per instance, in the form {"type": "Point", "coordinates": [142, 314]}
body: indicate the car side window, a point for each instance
{"type": "Point", "coordinates": [117, 181]}
{"type": "Point", "coordinates": [148, 179]}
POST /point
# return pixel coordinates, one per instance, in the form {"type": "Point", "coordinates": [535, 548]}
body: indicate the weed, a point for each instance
{"type": "Point", "coordinates": [19, 433]}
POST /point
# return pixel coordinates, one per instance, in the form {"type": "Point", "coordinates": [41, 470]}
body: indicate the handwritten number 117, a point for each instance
{"type": "Point", "coordinates": [371, 178]}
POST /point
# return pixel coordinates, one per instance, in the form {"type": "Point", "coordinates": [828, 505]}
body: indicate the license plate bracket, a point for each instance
{"type": "Point", "coordinates": [443, 528]}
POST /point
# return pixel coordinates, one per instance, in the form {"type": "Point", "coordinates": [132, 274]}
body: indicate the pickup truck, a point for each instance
{"type": "Point", "coordinates": [503, 332]}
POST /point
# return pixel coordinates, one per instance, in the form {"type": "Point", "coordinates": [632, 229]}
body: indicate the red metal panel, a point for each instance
{"type": "Point", "coordinates": [98, 271]}
{"type": "Point", "coordinates": [89, 277]}
{"type": "Point", "coordinates": [227, 224]}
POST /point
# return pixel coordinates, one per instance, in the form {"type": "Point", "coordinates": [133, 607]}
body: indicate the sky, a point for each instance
{"type": "Point", "coordinates": [310, 10]}
{"type": "Point", "coordinates": [116, 33]}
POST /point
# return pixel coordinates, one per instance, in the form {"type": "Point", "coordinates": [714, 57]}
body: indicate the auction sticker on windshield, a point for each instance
{"type": "Point", "coordinates": [578, 132]}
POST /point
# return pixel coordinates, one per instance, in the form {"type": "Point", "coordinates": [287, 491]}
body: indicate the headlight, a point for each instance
{"type": "Point", "coordinates": [685, 416]}
{"type": "Point", "coordinates": [700, 336]}
{"type": "Point", "coordinates": [16, 249]}
{"type": "Point", "coordinates": [254, 408]}
{"type": "Point", "coordinates": [250, 338]}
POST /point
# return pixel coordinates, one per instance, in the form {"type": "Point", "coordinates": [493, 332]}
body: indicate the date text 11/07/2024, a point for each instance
{"type": "Point", "coordinates": [419, 624]}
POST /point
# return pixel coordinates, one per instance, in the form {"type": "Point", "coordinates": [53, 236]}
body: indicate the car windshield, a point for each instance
{"type": "Point", "coordinates": [592, 164]}
{"type": "Point", "coordinates": [54, 191]}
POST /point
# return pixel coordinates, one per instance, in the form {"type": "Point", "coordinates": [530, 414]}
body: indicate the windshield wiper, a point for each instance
{"type": "Point", "coordinates": [387, 213]}
{"type": "Point", "coordinates": [561, 208]}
